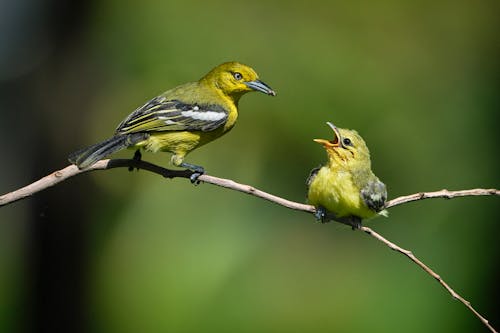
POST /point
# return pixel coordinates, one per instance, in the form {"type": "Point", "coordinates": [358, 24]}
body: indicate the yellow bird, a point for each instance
{"type": "Point", "coordinates": [181, 119]}
{"type": "Point", "coordinates": [345, 189]}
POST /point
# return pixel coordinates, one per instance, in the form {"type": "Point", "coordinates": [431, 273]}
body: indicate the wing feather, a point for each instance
{"type": "Point", "coordinates": [374, 194]}
{"type": "Point", "coordinates": [160, 114]}
{"type": "Point", "coordinates": [311, 177]}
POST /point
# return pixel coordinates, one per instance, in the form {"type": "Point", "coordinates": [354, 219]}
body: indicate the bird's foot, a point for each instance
{"type": "Point", "coordinates": [353, 221]}
{"type": "Point", "coordinates": [197, 172]}
{"type": "Point", "coordinates": [356, 223]}
{"type": "Point", "coordinates": [324, 216]}
{"type": "Point", "coordinates": [194, 178]}
{"type": "Point", "coordinates": [137, 157]}
{"type": "Point", "coordinates": [321, 214]}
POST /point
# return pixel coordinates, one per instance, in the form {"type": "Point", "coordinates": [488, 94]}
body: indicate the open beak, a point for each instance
{"type": "Point", "coordinates": [330, 143]}
{"type": "Point", "coordinates": [260, 86]}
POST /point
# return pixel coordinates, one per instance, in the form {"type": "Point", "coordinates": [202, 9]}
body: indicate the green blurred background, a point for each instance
{"type": "Point", "coordinates": [116, 251]}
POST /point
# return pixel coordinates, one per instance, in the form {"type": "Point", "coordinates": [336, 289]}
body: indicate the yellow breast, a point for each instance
{"type": "Point", "coordinates": [337, 192]}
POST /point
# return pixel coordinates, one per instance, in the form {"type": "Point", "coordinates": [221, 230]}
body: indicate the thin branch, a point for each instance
{"type": "Point", "coordinates": [256, 192]}
{"type": "Point", "coordinates": [70, 171]}
{"type": "Point", "coordinates": [429, 271]}
{"type": "Point", "coordinates": [441, 194]}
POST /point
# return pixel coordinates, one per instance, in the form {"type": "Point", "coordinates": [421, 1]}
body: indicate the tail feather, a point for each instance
{"type": "Point", "coordinates": [88, 156]}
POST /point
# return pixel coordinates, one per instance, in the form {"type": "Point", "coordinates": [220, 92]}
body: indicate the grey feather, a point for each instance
{"type": "Point", "coordinates": [374, 195]}
{"type": "Point", "coordinates": [312, 175]}
{"type": "Point", "coordinates": [90, 155]}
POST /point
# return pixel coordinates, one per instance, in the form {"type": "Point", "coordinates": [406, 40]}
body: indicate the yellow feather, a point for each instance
{"type": "Point", "coordinates": [346, 185]}
{"type": "Point", "coordinates": [183, 118]}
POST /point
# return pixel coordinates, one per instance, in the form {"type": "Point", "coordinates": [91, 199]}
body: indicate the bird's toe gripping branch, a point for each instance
{"type": "Point", "coordinates": [137, 157]}
{"type": "Point", "coordinates": [197, 171]}
{"type": "Point", "coordinates": [320, 214]}
{"type": "Point", "coordinates": [194, 178]}
{"type": "Point", "coordinates": [324, 216]}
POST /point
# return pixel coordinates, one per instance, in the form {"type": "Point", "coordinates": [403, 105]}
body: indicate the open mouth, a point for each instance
{"type": "Point", "coordinates": [335, 142]}
{"type": "Point", "coordinates": [336, 139]}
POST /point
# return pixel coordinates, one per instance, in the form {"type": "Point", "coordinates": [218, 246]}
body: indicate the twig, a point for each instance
{"type": "Point", "coordinates": [70, 171]}
{"type": "Point", "coordinates": [256, 192]}
{"type": "Point", "coordinates": [429, 271]}
{"type": "Point", "coordinates": [440, 194]}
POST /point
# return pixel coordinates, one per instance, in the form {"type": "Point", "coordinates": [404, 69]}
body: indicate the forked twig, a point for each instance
{"type": "Point", "coordinates": [70, 171]}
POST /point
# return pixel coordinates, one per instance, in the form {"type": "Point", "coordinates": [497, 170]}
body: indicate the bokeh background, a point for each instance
{"type": "Point", "coordinates": [116, 251]}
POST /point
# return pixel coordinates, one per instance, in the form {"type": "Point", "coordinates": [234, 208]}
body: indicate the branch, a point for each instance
{"type": "Point", "coordinates": [70, 171]}
{"type": "Point", "coordinates": [429, 271]}
{"type": "Point", "coordinates": [440, 194]}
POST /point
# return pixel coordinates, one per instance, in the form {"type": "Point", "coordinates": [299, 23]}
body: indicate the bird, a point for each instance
{"type": "Point", "coordinates": [182, 118]}
{"type": "Point", "coordinates": [345, 189]}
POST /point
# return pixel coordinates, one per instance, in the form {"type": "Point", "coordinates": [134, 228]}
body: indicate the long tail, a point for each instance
{"type": "Point", "coordinates": [87, 156]}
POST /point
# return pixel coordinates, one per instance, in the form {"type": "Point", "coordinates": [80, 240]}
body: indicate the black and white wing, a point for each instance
{"type": "Point", "coordinates": [161, 114]}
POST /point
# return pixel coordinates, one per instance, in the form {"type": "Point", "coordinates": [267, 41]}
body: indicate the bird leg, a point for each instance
{"type": "Point", "coordinates": [197, 171]}
{"type": "Point", "coordinates": [325, 216]}
{"type": "Point", "coordinates": [137, 157]}
{"type": "Point", "coordinates": [321, 214]}
{"type": "Point", "coordinates": [353, 221]}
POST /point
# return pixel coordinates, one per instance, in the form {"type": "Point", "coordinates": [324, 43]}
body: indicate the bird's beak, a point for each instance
{"type": "Point", "coordinates": [330, 143]}
{"type": "Point", "coordinates": [260, 86]}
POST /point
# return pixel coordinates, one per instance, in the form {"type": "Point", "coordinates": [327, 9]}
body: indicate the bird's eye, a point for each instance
{"type": "Point", "coordinates": [347, 142]}
{"type": "Point", "coordinates": [237, 76]}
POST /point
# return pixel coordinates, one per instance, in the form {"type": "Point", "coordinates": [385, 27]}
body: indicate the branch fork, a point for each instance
{"type": "Point", "coordinates": [70, 171]}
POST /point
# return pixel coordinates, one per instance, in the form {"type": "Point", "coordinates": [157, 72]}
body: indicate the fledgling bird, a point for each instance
{"type": "Point", "coordinates": [181, 119]}
{"type": "Point", "coordinates": [345, 189]}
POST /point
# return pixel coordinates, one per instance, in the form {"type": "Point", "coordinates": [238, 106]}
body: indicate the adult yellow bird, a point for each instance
{"type": "Point", "coordinates": [346, 189]}
{"type": "Point", "coordinates": [181, 119]}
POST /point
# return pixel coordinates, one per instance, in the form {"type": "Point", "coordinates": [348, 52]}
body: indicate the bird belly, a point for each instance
{"type": "Point", "coordinates": [174, 142]}
{"type": "Point", "coordinates": [338, 194]}
{"type": "Point", "coordinates": [179, 142]}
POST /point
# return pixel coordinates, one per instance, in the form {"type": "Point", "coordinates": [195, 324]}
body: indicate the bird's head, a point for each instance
{"type": "Point", "coordinates": [235, 79]}
{"type": "Point", "coordinates": [346, 150]}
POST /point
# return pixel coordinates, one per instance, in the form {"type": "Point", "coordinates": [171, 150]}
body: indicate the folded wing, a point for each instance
{"type": "Point", "coordinates": [160, 114]}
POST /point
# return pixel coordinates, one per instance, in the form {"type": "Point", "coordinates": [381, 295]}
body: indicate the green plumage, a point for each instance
{"type": "Point", "coordinates": [183, 118]}
{"type": "Point", "coordinates": [346, 189]}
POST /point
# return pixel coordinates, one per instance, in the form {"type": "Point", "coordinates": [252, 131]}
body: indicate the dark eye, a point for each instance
{"type": "Point", "coordinates": [237, 76]}
{"type": "Point", "coordinates": [347, 142]}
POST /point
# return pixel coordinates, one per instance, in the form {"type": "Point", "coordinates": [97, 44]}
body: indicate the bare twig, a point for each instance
{"type": "Point", "coordinates": [70, 171]}
{"type": "Point", "coordinates": [440, 194]}
{"type": "Point", "coordinates": [429, 271]}
{"type": "Point", "coordinates": [256, 192]}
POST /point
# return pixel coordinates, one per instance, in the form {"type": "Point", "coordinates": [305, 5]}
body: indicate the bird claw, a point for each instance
{"type": "Point", "coordinates": [197, 172]}
{"type": "Point", "coordinates": [324, 216]}
{"type": "Point", "coordinates": [194, 178]}
{"type": "Point", "coordinates": [137, 157]}
{"type": "Point", "coordinates": [356, 224]}
{"type": "Point", "coordinates": [320, 214]}
{"type": "Point", "coordinates": [353, 221]}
